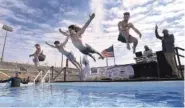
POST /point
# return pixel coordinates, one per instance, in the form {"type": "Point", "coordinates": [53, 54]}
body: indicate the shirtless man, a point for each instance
{"type": "Point", "coordinates": [36, 55]}
{"type": "Point", "coordinates": [75, 33]}
{"type": "Point", "coordinates": [68, 54]}
{"type": "Point", "coordinates": [124, 36]}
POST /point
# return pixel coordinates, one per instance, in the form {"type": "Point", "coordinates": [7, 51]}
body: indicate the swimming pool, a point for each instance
{"type": "Point", "coordinates": [96, 94]}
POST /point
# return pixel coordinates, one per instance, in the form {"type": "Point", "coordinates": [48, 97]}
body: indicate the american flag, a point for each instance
{"type": "Point", "coordinates": [109, 52]}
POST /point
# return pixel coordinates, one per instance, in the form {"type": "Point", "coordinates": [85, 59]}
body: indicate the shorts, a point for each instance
{"type": "Point", "coordinates": [35, 59]}
{"type": "Point", "coordinates": [41, 57]}
{"type": "Point", "coordinates": [122, 38]}
{"type": "Point", "coordinates": [88, 50]}
{"type": "Point", "coordinates": [71, 57]}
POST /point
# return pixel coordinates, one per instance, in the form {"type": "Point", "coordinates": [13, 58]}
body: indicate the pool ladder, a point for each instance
{"type": "Point", "coordinates": [48, 73]}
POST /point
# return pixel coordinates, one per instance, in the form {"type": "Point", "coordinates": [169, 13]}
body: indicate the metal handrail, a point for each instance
{"type": "Point", "coordinates": [59, 73]}
{"type": "Point", "coordinates": [40, 73]}
{"type": "Point", "coordinates": [5, 74]}
{"type": "Point", "coordinates": [179, 48]}
{"type": "Point", "coordinates": [179, 55]}
{"type": "Point", "coordinates": [178, 58]}
{"type": "Point", "coordinates": [43, 79]}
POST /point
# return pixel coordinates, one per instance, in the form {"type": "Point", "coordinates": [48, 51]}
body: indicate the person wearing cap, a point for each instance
{"type": "Point", "coordinates": [168, 49]}
{"type": "Point", "coordinates": [15, 81]}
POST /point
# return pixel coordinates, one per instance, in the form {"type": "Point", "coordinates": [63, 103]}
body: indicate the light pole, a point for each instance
{"type": "Point", "coordinates": [62, 61]}
{"type": "Point", "coordinates": [7, 28]}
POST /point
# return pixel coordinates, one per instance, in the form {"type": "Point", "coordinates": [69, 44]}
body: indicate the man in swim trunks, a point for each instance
{"type": "Point", "coordinates": [75, 33]}
{"type": "Point", "coordinates": [124, 36]}
{"type": "Point", "coordinates": [68, 54]}
{"type": "Point", "coordinates": [15, 81]}
{"type": "Point", "coordinates": [36, 55]}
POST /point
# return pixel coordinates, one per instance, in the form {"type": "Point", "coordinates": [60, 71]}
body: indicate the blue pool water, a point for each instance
{"type": "Point", "coordinates": [95, 94]}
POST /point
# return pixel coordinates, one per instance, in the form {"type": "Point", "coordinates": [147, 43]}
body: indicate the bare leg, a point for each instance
{"type": "Point", "coordinates": [128, 46]}
{"type": "Point", "coordinates": [101, 56]}
{"type": "Point", "coordinates": [75, 65]}
{"type": "Point", "coordinates": [78, 65]}
{"type": "Point", "coordinates": [127, 38]}
{"type": "Point", "coordinates": [135, 42]}
{"type": "Point", "coordinates": [94, 51]}
{"type": "Point", "coordinates": [36, 62]}
{"type": "Point", "coordinates": [92, 57]}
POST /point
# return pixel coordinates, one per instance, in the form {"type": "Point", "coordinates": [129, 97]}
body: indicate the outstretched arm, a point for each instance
{"type": "Point", "coordinates": [50, 45]}
{"type": "Point", "coordinates": [64, 33]}
{"type": "Point", "coordinates": [156, 33]}
{"type": "Point", "coordinates": [119, 27]}
{"type": "Point", "coordinates": [5, 80]}
{"type": "Point", "coordinates": [65, 42]}
{"type": "Point", "coordinates": [136, 30]}
{"type": "Point", "coordinates": [36, 53]}
{"type": "Point", "coordinates": [31, 55]}
{"type": "Point", "coordinates": [86, 25]}
{"type": "Point", "coordinates": [24, 82]}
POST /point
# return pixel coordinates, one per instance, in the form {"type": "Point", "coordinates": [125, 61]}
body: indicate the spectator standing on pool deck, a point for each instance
{"type": "Point", "coordinates": [168, 49]}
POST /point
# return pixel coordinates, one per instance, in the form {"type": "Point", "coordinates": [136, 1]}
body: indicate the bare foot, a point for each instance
{"type": "Point", "coordinates": [101, 57]}
{"type": "Point", "coordinates": [134, 49]}
{"type": "Point", "coordinates": [128, 47]}
{"type": "Point", "coordinates": [94, 58]}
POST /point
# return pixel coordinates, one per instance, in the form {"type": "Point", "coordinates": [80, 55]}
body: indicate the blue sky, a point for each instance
{"type": "Point", "coordinates": [37, 21]}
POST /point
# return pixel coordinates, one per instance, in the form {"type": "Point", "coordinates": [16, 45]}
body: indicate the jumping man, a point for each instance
{"type": "Point", "coordinates": [68, 54]}
{"type": "Point", "coordinates": [75, 33]}
{"type": "Point", "coordinates": [124, 36]}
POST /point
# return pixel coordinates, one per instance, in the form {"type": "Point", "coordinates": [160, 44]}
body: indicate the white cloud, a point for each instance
{"type": "Point", "coordinates": [111, 29]}
{"type": "Point", "coordinates": [113, 22]}
{"type": "Point", "coordinates": [54, 3]}
{"type": "Point", "coordinates": [72, 12]}
{"type": "Point", "coordinates": [98, 9]}
{"type": "Point", "coordinates": [13, 3]}
{"type": "Point", "coordinates": [112, 2]}
{"type": "Point", "coordinates": [69, 22]}
{"type": "Point", "coordinates": [4, 12]}
{"type": "Point", "coordinates": [128, 4]}
{"type": "Point", "coordinates": [171, 7]}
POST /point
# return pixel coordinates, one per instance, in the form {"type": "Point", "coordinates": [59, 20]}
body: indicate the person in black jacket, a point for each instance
{"type": "Point", "coordinates": [168, 49]}
{"type": "Point", "coordinates": [15, 81]}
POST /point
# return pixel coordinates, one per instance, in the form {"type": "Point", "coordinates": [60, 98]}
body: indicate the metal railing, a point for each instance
{"type": "Point", "coordinates": [43, 79]}
{"type": "Point", "coordinates": [178, 59]}
{"type": "Point", "coordinates": [39, 74]}
{"type": "Point", "coordinates": [63, 69]}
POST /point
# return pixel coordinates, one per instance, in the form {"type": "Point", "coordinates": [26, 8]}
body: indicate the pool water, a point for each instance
{"type": "Point", "coordinates": [96, 94]}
